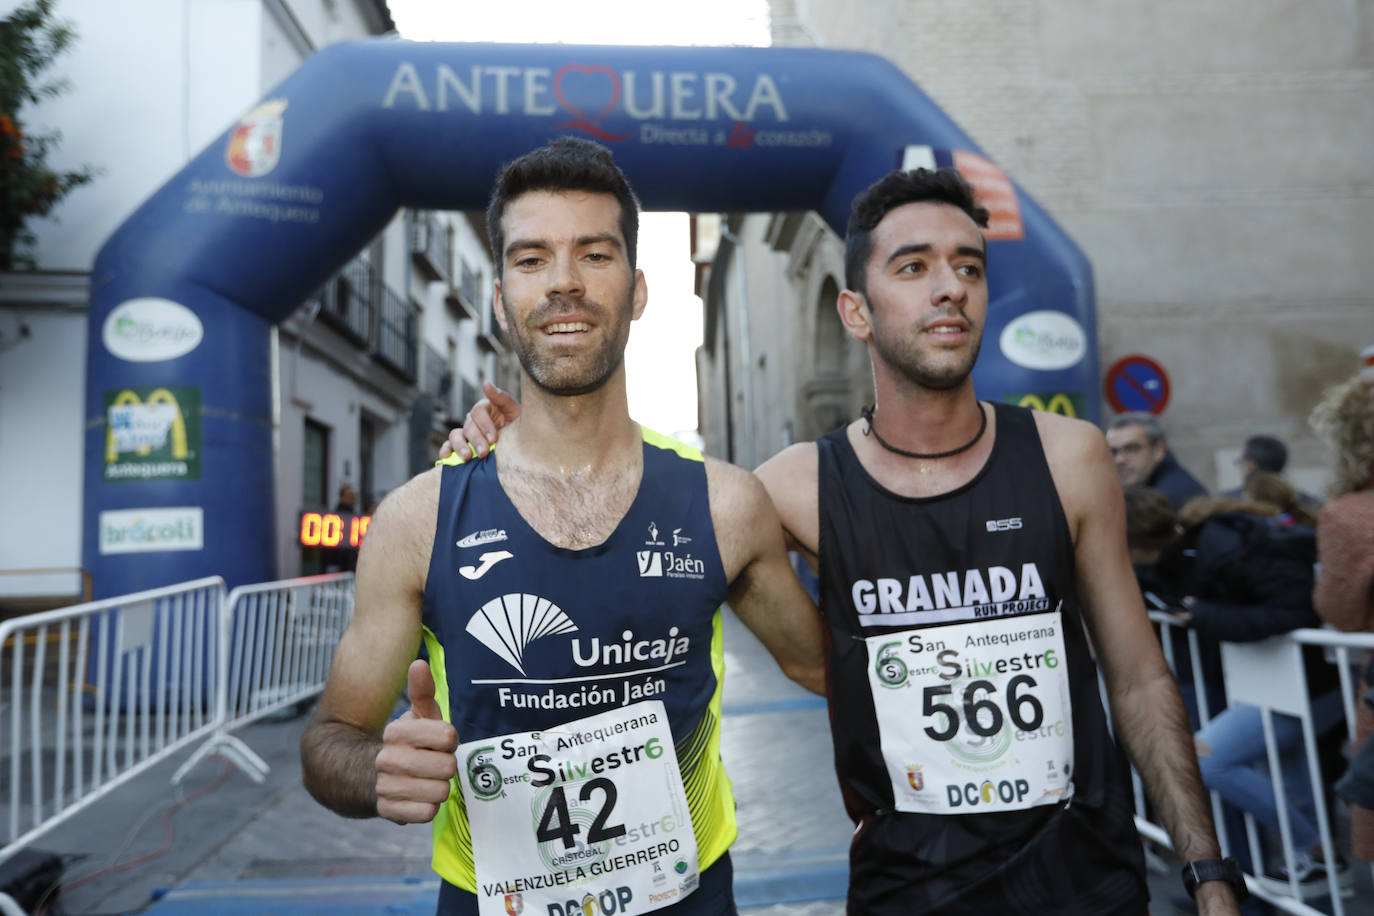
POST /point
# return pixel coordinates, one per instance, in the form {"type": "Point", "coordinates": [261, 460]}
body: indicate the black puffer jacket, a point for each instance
{"type": "Point", "coordinates": [1252, 578]}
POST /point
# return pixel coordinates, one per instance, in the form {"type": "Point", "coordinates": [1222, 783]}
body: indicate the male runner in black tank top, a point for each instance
{"type": "Point", "coordinates": [911, 495]}
{"type": "Point", "coordinates": [1019, 517]}
{"type": "Point", "coordinates": [563, 225]}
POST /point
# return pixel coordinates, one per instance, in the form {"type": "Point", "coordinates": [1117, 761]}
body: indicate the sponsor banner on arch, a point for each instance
{"type": "Point", "coordinates": [991, 186]}
{"type": "Point", "coordinates": [696, 108]}
{"type": "Point", "coordinates": [1064, 403]}
{"type": "Point", "coordinates": [152, 433]}
{"type": "Point", "coordinates": [152, 530]}
{"type": "Point", "coordinates": [1045, 339]}
{"type": "Point", "coordinates": [995, 191]}
{"type": "Point", "coordinates": [149, 329]}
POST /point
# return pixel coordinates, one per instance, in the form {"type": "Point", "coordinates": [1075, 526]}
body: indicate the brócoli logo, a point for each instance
{"type": "Point", "coordinates": [151, 330]}
{"type": "Point", "coordinates": [1046, 340]}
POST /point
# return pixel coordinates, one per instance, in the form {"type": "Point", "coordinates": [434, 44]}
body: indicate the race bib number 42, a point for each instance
{"type": "Point", "coordinates": [974, 717]}
{"type": "Point", "coordinates": [586, 818]}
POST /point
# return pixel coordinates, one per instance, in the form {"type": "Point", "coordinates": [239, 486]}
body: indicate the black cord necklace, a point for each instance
{"type": "Point", "coordinates": [867, 413]}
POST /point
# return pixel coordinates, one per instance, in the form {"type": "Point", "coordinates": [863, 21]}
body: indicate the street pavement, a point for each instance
{"type": "Point", "coordinates": [220, 843]}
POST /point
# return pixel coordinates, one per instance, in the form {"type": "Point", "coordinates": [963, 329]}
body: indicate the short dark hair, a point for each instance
{"type": "Point", "coordinates": [893, 190]}
{"type": "Point", "coordinates": [1154, 430]}
{"type": "Point", "coordinates": [565, 164]}
{"type": "Point", "coordinates": [1268, 453]}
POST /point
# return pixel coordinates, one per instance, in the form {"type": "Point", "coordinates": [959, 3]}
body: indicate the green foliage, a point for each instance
{"type": "Point", "coordinates": [30, 40]}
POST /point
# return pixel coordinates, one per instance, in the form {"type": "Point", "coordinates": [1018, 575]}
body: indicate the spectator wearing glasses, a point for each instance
{"type": "Point", "coordinates": [1142, 457]}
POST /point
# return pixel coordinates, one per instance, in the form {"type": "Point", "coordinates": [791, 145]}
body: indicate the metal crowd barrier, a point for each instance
{"type": "Point", "coordinates": [276, 644]}
{"type": "Point", "coordinates": [1270, 674]}
{"type": "Point", "coordinates": [94, 694]}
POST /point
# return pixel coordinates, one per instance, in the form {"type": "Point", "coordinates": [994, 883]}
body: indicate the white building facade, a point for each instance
{"type": "Point", "coordinates": [1216, 175]}
{"type": "Point", "coordinates": [368, 373]}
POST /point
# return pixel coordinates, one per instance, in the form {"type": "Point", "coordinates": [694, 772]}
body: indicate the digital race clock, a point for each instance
{"type": "Point", "coordinates": [333, 529]}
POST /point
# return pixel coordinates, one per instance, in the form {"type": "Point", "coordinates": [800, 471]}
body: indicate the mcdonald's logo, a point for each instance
{"type": "Point", "coordinates": [152, 434]}
{"type": "Point", "coordinates": [1062, 403]}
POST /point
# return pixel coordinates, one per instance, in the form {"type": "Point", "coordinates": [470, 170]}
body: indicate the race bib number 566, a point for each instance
{"type": "Point", "coordinates": [974, 717]}
{"type": "Point", "coordinates": [587, 818]}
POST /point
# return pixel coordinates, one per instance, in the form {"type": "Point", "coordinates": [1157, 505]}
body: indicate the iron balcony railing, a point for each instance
{"type": "Point", "coordinates": [396, 341]}
{"type": "Point", "coordinates": [435, 378]}
{"type": "Point", "coordinates": [469, 284]}
{"type": "Point", "coordinates": [468, 395]}
{"type": "Point", "coordinates": [465, 292]}
{"type": "Point", "coordinates": [357, 304]}
{"type": "Point", "coordinates": [431, 244]}
{"type": "Point", "coordinates": [347, 301]}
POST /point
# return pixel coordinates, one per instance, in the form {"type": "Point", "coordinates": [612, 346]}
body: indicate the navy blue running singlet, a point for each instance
{"type": "Point", "coordinates": [526, 637]}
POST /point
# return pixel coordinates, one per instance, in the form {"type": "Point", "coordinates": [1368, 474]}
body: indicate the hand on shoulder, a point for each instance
{"type": "Point", "coordinates": [482, 426]}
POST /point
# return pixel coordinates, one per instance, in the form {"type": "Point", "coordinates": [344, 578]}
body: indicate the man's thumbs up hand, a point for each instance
{"type": "Point", "coordinates": [416, 762]}
{"type": "Point", "coordinates": [420, 689]}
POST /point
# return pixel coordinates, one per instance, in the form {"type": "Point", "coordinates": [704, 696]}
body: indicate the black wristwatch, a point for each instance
{"type": "Point", "coordinates": [1194, 873]}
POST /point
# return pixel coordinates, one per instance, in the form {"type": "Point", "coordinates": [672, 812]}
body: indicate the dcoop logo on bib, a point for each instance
{"type": "Point", "coordinates": [152, 530]}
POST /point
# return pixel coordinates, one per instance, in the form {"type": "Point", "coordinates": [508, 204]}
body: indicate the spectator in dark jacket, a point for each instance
{"type": "Point", "coordinates": [1151, 526]}
{"type": "Point", "coordinates": [1142, 457]}
{"type": "Point", "coordinates": [1267, 487]}
{"type": "Point", "coordinates": [1245, 570]}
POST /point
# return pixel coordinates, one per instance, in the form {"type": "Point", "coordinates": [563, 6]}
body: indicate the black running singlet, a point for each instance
{"type": "Point", "coordinates": [572, 678]}
{"type": "Point", "coordinates": [970, 740]}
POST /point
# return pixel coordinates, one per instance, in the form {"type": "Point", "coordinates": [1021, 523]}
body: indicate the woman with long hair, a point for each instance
{"type": "Point", "coordinates": [1344, 592]}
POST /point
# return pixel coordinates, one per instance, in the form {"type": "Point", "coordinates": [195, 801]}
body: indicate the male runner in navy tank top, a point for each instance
{"type": "Point", "coordinates": [962, 547]}
{"type": "Point", "coordinates": [564, 734]}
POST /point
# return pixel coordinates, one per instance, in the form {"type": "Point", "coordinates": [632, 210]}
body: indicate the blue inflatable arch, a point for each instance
{"type": "Point", "coordinates": [184, 293]}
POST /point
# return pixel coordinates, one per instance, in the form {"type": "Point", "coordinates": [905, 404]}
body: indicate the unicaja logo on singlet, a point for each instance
{"type": "Point", "coordinates": [507, 625]}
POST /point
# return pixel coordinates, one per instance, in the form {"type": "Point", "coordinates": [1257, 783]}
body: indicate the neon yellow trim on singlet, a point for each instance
{"type": "Point", "coordinates": [710, 794]}
{"type": "Point", "coordinates": [658, 440]}
{"type": "Point", "coordinates": [450, 826]}
{"type": "Point", "coordinates": [453, 460]}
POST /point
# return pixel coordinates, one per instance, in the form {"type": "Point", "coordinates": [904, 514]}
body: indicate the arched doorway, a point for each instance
{"type": "Point", "coordinates": [825, 395]}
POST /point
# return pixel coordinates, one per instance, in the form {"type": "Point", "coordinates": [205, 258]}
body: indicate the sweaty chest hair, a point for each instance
{"type": "Point", "coordinates": [572, 513]}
